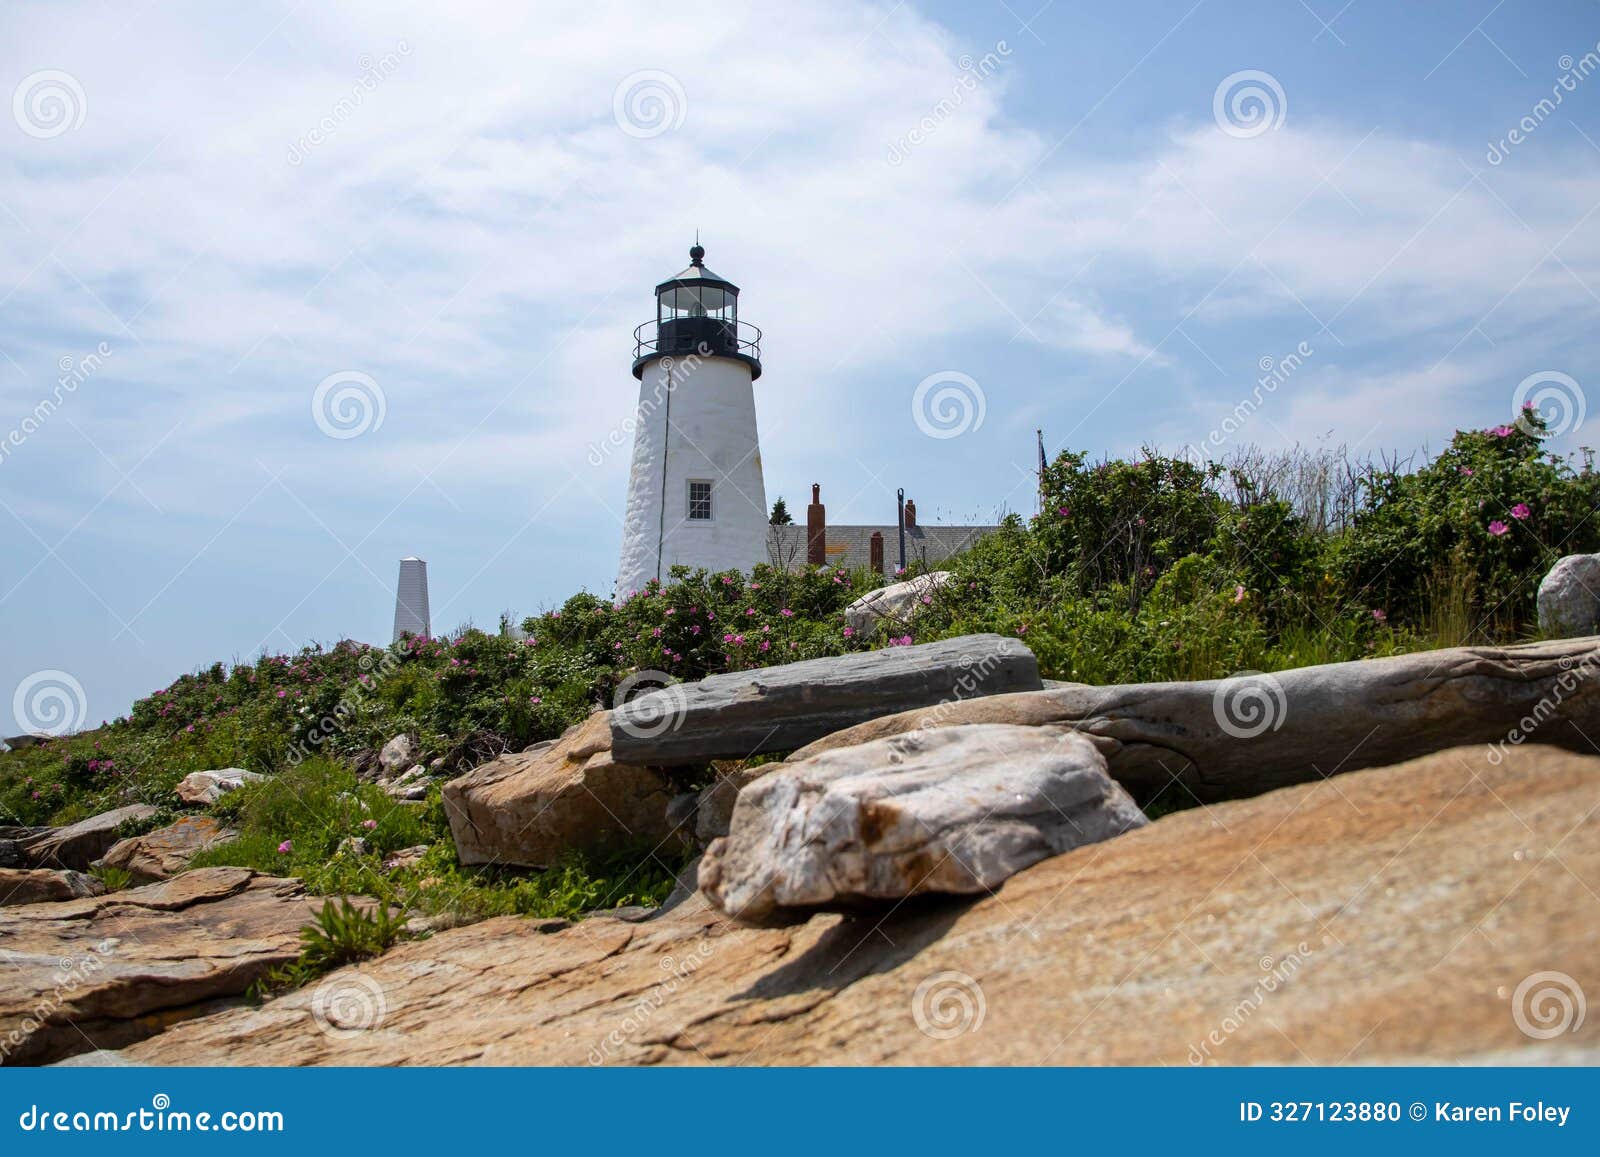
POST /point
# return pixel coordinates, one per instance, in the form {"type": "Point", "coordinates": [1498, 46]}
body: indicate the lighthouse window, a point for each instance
{"type": "Point", "coordinates": [699, 500]}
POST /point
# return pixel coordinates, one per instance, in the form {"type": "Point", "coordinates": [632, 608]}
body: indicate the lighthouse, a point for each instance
{"type": "Point", "coordinates": [695, 494]}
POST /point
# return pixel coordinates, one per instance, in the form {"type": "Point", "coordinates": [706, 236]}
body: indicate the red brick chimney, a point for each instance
{"type": "Point", "coordinates": [911, 515]}
{"type": "Point", "coordinates": [875, 546]}
{"type": "Point", "coordinates": [816, 529]}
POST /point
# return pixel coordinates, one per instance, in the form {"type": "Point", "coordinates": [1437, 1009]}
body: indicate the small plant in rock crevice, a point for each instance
{"type": "Point", "coordinates": [342, 933]}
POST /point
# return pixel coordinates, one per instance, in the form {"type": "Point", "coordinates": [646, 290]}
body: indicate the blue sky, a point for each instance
{"type": "Point", "coordinates": [206, 211]}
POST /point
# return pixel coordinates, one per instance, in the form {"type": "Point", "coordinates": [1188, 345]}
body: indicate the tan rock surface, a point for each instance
{"type": "Point", "coordinates": [533, 807]}
{"type": "Point", "coordinates": [99, 972]}
{"type": "Point", "coordinates": [44, 885]}
{"type": "Point", "coordinates": [79, 845]}
{"type": "Point", "coordinates": [165, 852]}
{"type": "Point", "coordinates": [1387, 914]}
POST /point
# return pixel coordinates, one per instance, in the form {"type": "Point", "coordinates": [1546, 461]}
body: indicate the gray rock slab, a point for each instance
{"type": "Point", "coordinates": [743, 713]}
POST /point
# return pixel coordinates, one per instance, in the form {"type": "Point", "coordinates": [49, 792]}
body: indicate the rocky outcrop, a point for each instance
{"type": "Point", "coordinates": [713, 807]}
{"type": "Point", "coordinates": [403, 858]}
{"type": "Point", "coordinates": [44, 885]}
{"type": "Point", "coordinates": [104, 971]}
{"type": "Point", "coordinates": [1569, 597]}
{"type": "Point", "coordinates": [1389, 915]}
{"type": "Point", "coordinates": [165, 852]}
{"type": "Point", "coordinates": [410, 785]}
{"type": "Point", "coordinates": [531, 808]}
{"type": "Point", "coordinates": [743, 713]}
{"type": "Point", "coordinates": [14, 841]}
{"type": "Point", "coordinates": [204, 788]}
{"type": "Point", "coordinates": [397, 755]}
{"type": "Point", "coordinates": [895, 603]}
{"type": "Point", "coordinates": [1226, 738]}
{"type": "Point", "coordinates": [953, 810]}
{"type": "Point", "coordinates": [79, 845]}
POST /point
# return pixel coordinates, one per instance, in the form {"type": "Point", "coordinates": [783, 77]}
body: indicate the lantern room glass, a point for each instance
{"type": "Point", "coordinates": [696, 299]}
{"type": "Point", "coordinates": [697, 312]}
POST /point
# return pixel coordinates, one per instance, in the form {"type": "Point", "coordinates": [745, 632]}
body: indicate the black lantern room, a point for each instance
{"type": "Point", "coordinates": [697, 312]}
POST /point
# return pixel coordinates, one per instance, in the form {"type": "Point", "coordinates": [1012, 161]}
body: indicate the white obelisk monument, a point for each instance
{"type": "Point", "coordinates": [695, 494]}
{"type": "Point", "coordinates": [411, 599]}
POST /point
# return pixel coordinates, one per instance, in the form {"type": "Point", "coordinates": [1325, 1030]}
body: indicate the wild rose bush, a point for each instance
{"type": "Point", "coordinates": [701, 623]}
{"type": "Point", "coordinates": [1491, 514]}
{"type": "Point", "coordinates": [1151, 570]}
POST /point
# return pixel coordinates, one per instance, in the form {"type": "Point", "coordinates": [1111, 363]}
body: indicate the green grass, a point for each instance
{"type": "Point", "coordinates": [314, 808]}
{"type": "Point", "coordinates": [112, 879]}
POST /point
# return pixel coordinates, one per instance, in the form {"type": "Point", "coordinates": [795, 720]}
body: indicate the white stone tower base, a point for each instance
{"type": "Point", "coordinates": [696, 424]}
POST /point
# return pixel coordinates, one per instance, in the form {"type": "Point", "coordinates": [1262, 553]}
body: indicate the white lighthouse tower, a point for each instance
{"type": "Point", "coordinates": [695, 494]}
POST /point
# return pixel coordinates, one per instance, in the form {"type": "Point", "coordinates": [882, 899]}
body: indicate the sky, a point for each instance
{"type": "Point", "coordinates": [289, 291]}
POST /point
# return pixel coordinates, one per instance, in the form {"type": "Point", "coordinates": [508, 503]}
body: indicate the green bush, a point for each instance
{"type": "Point", "coordinates": [1488, 517]}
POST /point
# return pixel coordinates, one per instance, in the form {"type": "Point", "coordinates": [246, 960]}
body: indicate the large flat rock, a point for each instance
{"type": "Point", "coordinates": [103, 971]}
{"type": "Point", "coordinates": [1387, 915]}
{"type": "Point", "coordinates": [744, 713]}
{"type": "Point", "coordinates": [44, 885]}
{"type": "Point", "coordinates": [950, 810]}
{"type": "Point", "coordinates": [163, 853]}
{"type": "Point", "coordinates": [1225, 738]}
{"type": "Point", "coordinates": [79, 845]}
{"type": "Point", "coordinates": [532, 808]}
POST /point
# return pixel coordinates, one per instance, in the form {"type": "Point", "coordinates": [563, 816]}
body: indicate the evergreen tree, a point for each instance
{"type": "Point", "coordinates": [780, 514]}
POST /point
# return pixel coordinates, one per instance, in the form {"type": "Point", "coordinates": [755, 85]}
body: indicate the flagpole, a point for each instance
{"type": "Point", "coordinates": [1040, 435]}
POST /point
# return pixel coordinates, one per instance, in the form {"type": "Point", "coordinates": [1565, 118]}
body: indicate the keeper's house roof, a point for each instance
{"type": "Point", "coordinates": [851, 546]}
